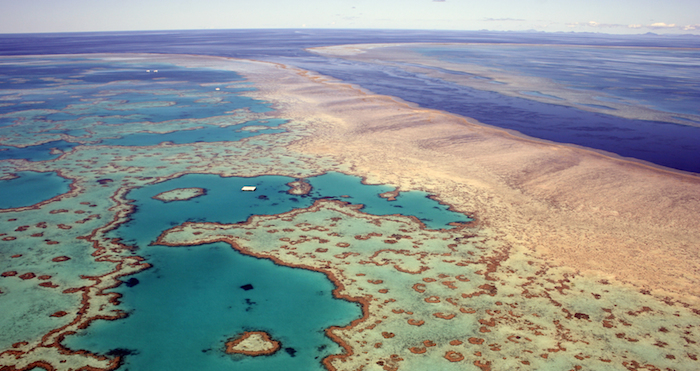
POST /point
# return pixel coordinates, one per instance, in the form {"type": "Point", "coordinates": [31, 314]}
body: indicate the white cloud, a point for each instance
{"type": "Point", "coordinates": [604, 25]}
{"type": "Point", "coordinates": [653, 26]}
{"type": "Point", "coordinates": [503, 20]}
{"type": "Point", "coordinates": [661, 25]}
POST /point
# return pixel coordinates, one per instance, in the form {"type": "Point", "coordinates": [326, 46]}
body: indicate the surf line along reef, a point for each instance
{"type": "Point", "coordinates": [513, 286]}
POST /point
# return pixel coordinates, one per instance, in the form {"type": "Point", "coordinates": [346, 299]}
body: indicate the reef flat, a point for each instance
{"type": "Point", "coordinates": [574, 259]}
{"type": "Point", "coordinates": [443, 298]}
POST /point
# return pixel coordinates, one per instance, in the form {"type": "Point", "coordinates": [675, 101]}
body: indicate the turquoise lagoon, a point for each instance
{"type": "Point", "coordinates": [416, 203]}
{"type": "Point", "coordinates": [184, 308]}
{"type": "Point", "coordinates": [31, 187]}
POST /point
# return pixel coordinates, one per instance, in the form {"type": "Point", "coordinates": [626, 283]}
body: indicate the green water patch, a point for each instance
{"type": "Point", "coordinates": [42, 152]}
{"type": "Point", "coordinates": [170, 102]}
{"type": "Point", "coordinates": [6, 121]}
{"type": "Point", "coordinates": [73, 133]}
{"type": "Point", "coordinates": [30, 188]}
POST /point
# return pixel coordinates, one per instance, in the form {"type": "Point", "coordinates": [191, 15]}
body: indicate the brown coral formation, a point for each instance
{"type": "Point", "coordinates": [252, 343]}
{"type": "Point", "coordinates": [453, 356]}
{"type": "Point", "coordinates": [391, 195]}
{"type": "Point", "coordinates": [299, 187]}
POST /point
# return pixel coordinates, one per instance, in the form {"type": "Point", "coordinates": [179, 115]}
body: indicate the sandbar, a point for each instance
{"type": "Point", "coordinates": [180, 194]}
{"type": "Point", "coordinates": [252, 343]}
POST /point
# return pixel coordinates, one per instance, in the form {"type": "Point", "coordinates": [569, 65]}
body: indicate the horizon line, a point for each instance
{"type": "Point", "coordinates": [531, 31]}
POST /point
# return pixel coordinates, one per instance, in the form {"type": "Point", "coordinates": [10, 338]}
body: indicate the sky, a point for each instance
{"type": "Point", "coordinates": [606, 16]}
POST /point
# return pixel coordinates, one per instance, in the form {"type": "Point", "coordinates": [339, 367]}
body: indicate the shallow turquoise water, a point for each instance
{"type": "Point", "coordinates": [185, 307]}
{"type": "Point", "coordinates": [191, 302]}
{"type": "Point", "coordinates": [207, 134]}
{"type": "Point", "coordinates": [433, 214]}
{"type": "Point", "coordinates": [184, 94]}
{"type": "Point", "coordinates": [6, 121]}
{"type": "Point", "coordinates": [225, 203]}
{"type": "Point", "coordinates": [30, 188]}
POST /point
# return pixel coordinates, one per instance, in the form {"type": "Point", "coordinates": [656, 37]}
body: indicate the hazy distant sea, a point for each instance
{"type": "Point", "coordinates": [655, 85]}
